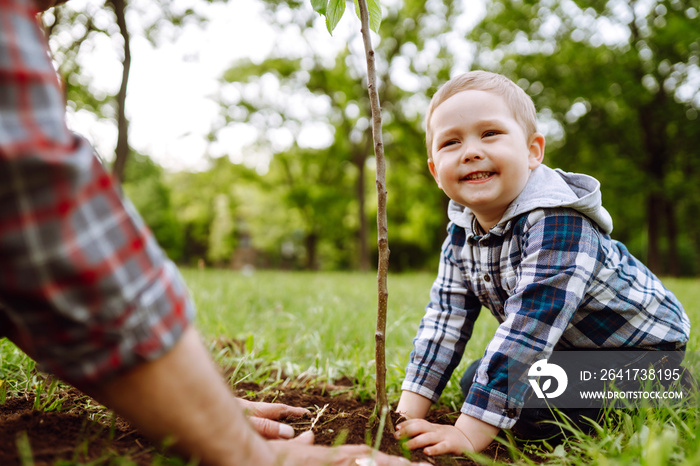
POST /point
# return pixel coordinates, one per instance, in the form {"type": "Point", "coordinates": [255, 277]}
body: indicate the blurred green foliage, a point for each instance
{"type": "Point", "coordinates": [616, 85]}
{"type": "Point", "coordinates": [153, 198]}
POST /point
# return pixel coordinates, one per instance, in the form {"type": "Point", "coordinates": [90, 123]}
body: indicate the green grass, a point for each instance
{"type": "Point", "coordinates": [321, 326]}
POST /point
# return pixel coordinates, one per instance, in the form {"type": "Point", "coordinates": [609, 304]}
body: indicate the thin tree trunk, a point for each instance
{"type": "Point", "coordinates": [653, 233]}
{"type": "Point", "coordinates": [364, 249]}
{"type": "Point", "coordinates": [382, 229]}
{"type": "Point", "coordinates": [655, 146]}
{"type": "Point", "coordinates": [360, 160]}
{"type": "Point", "coordinates": [311, 242]}
{"type": "Point", "coordinates": [673, 265]}
{"type": "Point", "coordinates": [696, 237]}
{"type": "Point", "coordinates": [122, 151]}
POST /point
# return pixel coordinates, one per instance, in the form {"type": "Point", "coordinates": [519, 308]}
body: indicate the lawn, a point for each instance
{"type": "Point", "coordinates": [320, 324]}
{"type": "Point", "coordinates": [270, 328]}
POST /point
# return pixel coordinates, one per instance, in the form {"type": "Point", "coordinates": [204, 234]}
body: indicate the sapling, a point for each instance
{"type": "Point", "coordinates": [370, 15]}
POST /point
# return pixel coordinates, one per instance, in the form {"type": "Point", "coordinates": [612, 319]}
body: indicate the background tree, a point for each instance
{"type": "Point", "coordinates": [209, 207]}
{"type": "Point", "coordinates": [291, 104]}
{"type": "Point", "coordinates": [74, 30]}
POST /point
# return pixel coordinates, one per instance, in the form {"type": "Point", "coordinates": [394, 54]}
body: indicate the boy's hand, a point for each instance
{"type": "Point", "coordinates": [467, 435]}
{"type": "Point", "coordinates": [435, 439]}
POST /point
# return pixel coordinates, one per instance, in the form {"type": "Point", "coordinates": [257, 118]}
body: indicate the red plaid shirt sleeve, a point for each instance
{"type": "Point", "coordinates": [84, 288]}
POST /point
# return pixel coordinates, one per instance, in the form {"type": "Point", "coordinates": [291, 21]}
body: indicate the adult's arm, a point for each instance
{"type": "Point", "coordinates": [182, 397]}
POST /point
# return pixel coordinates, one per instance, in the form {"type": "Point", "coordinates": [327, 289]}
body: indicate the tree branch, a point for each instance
{"type": "Point", "coordinates": [122, 151]}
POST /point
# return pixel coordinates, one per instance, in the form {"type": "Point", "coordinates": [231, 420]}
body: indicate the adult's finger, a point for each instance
{"type": "Point", "coordinates": [272, 410]}
{"type": "Point", "coordinates": [294, 453]}
{"type": "Point", "coordinates": [282, 411]}
{"type": "Point", "coordinates": [271, 429]}
{"type": "Point", "coordinates": [306, 438]}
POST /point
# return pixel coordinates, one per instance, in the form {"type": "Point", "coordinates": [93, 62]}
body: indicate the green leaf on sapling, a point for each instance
{"type": "Point", "coordinates": [335, 11]}
{"type": "Point", "coordinates": [374, 9]}
{"type": "Point", "coordinates": [320, 6]}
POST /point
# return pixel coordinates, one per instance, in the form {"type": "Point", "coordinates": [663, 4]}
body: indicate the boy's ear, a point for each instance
{"type": "Point", "coordinates": [431, 166]}
{"type": "Point", "coordinates": [536, 148]}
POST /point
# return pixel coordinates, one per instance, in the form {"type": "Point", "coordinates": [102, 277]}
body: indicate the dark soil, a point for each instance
{"type": "Point", "coordinates": [340, 416]}
{"type": "Point", "coordinates": [77, 434]}
{"type": "Point", "coordinates": [70, 434]}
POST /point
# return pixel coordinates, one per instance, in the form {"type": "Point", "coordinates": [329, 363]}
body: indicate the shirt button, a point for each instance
{"type": "Point", "coordinates": [510, 413]}
{"type": "Point", "coordinates": [487, 278]}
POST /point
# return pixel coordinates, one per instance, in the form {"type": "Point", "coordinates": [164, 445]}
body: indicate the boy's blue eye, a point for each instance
{"type": "Point", "coordinates": [491, 133]}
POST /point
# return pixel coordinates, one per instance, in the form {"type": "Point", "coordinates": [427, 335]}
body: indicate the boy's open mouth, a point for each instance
{"type": "Point", "coordinates": [477, 176]}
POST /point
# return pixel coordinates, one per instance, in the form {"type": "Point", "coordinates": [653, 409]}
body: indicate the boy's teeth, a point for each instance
{"type": "Point", "coordinates": [478, 176]}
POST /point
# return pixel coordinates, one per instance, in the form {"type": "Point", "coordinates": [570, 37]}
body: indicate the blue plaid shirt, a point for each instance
{"type": "Point", "coordinates": [554, 279]}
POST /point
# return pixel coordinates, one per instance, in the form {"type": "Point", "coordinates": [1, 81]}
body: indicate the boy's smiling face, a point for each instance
{"type": "Point", "coordinates": [481, 156]}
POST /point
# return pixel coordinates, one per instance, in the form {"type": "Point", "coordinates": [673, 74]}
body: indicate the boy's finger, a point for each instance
{"type": "Point", "coordinates": [412, 427]}
{"type": "Point", "coordinates": [441, 448]}
{"type": "Point", "coordinates": [423, 440]}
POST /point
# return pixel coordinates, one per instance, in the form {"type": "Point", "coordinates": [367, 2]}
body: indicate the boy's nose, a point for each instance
{"type": "Point", "coordinates": [471, 152]}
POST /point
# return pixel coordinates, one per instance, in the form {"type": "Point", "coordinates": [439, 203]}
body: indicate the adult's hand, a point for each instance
{"type": "Point", "coordinates": [302, 452]}
{"type": "Point", "coordinates": [183, 397]}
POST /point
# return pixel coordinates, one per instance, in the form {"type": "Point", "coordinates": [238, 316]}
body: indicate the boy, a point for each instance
{"type": "Point", "coordinates": [531, 244]}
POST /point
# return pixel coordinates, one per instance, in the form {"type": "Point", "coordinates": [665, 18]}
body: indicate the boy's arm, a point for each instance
{"type": "Point", "coordinates": [469, 434]}
{"type": "Point", "coordinates": [413, 406]}
{"type": "Point", "coordinates": [446, 326]}
{"type": "Point", "coordinates": [560, 257]}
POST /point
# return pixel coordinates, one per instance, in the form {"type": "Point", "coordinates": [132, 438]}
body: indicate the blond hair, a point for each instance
{"type": "Point", "coordinates": [519, 102]}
